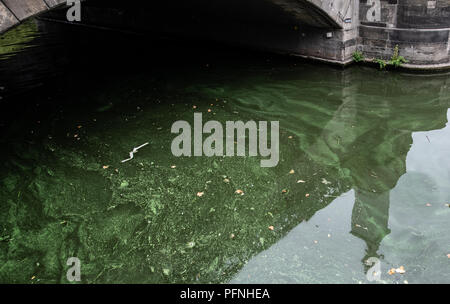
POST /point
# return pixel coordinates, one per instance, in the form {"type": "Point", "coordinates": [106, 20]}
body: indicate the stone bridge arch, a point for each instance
{"type": "Point", "coordinates": [317, 13]}
{"type": "Point", "coordinates": [13, 12]}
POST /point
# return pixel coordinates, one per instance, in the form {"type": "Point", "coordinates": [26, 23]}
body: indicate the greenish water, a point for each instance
{"type": "Point", "coordinates": [373, 150]}
{"type": "Point", "coordinates": [18, 38]}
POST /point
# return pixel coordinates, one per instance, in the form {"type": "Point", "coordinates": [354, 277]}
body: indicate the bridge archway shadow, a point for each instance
{"type": "Point", "coordinates": [286, 26]}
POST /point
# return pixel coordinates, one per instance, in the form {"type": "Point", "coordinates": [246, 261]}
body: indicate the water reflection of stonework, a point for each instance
{"type": "Point", "coordinates": [368, 140]}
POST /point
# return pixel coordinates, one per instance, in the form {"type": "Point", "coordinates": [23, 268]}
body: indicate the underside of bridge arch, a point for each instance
{"type": "Point", "coordinates": [313, 28]}
{"type": "Point", "coordinates": [312, 12]}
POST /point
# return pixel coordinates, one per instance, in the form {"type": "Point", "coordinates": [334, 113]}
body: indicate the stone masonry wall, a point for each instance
{"type": "Point", "coordinates": [420, 28]}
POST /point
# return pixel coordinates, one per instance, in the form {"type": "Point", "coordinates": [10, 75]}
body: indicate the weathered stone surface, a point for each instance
{"type": "Point", "coordinates": [7, 19]}
{"type": "Point", "coordinates": [23, 9]}
{"type": "Point", "coordinates": [387, 16]}
{"type": "Point", "coordinates": [418, 46]}
{"type": "Point", "coordinates": [53, 3]}
{"type": "Point", "coordinates": [424, 14]}
{"type": "Point", "coordinates": [317, 13]}
{"type": "Point", "coordinates": [14, 11]}
{"type": "Point", "coordinates": [373, 33]}
{"type": "Point", "coordinates": [437, 36]}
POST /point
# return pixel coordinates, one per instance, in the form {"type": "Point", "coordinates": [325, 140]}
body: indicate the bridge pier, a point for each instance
{"type": "Point", "coordinates": [421, 29]}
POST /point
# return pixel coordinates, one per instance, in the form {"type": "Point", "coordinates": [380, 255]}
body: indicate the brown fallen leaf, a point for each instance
{"type": "Point", "coordinates": [105, 167]}
{"type": "Point", "coordinates": [271, 228]}
{"type": "Point", "coordinates": [239, 191]}
{"type": "Point", "coordinates": [284, 191]}
{"type": "Point", "coordinates": [307, 195]}
{"type": "Point", "coordinates": [200, 194]}
{"type": "Point", "coordinates": [400, 270]}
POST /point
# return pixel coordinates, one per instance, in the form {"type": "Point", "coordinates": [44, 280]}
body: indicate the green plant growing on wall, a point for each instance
{"type": "Point", "coordinates": [396, 59]}
{"type": "Point", "coordinates": [381, 63]}
{"type": "Point", "coordinates": [358, 56]}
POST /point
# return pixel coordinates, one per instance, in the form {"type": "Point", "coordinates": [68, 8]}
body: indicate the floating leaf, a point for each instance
{"type": "Point", "coordinates": [400, 270]}
{"type": "Point", "coordinates": [239, 191]}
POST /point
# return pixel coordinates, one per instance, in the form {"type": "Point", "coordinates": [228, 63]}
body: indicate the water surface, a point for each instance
{"type": "Point", "coordinates": [364, 166]}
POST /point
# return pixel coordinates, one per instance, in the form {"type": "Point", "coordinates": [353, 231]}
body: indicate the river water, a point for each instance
{"type": "Point", "coordinates": [364, 168]}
